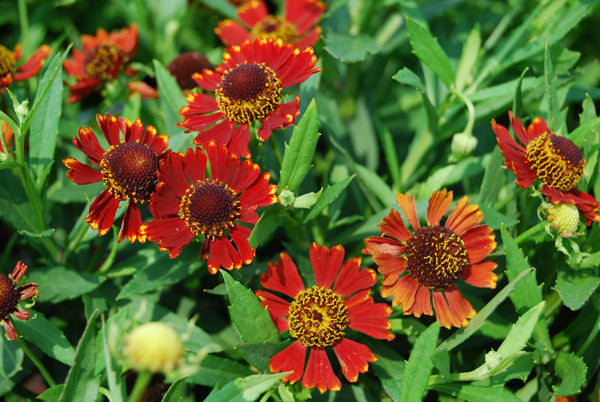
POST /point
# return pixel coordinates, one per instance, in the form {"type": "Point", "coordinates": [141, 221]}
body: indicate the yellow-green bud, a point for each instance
{"type": "Point", "coordinates": [155, 347]}
{"type": "Point", "coordinates": [287, 198]}
{"type": "Point", "coordinates": [462, 145]}
{"type": "Point", "coordinates": [564, 218]}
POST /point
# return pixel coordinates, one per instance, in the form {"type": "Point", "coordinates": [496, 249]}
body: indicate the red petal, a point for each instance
{"type": "Point", "coordinates": [278, 308]}
{"type": "Point", "coordinates": [251, 12]}
{"type": "Point", "coordinates": [132, 221]}
{"type": "Point", "coordinates": [303, 13]}
{"type": "Point", "coordinates": [284, 115]}
{"type": "Point", "coordinates": [403, 291]}
{"type": "Point", "coordinates": [444, 314]}
{"type": "Point", "coordinates": [171, 234]}
{"type": "Point", "coordinates": [289, 359]}
{"type": "Point", "coordinates": [352, 279]}
{"type": "Point", "coordinates": [231, 33]}
{"type": "Point", "coordinates": [439, 204]}
{"type": "Point", "coordinates": [319, 373]}
{"type": "Point", "coordinates": [80, 173]}
{"type": "Point", "coordinates": [480, 274]}
{"type": "Point", "coordinates": [407, 203]}
{"type": "Point", "coordinates": [223, 254]}
{"type": "Point", "coordinates": [326, 263]}
{"type": "Point", "coordinates": [33, 66]}
{"type": "Point", "coordinates": [479, 242]}
{"type": "Point", "coordinates": [422, 304]}
{"type": "Point", "coordinates": [240, 235]}
{"type": "Point", "coordinates": [369, 317]}
{"type": "Point", "coordinates": [11, 334]}
{"type": "Point", "coordinates": [283, 277]}
{"type": "Point", "coordinates": [460, 307]}
{"type": "Point", "coordinates": [393, 225]}
{"type": "Point", "coordinates": [464, 216]}
{"type": "Point", "coordinates": [354, 358]}
{"type": "Point", "coordinates": [102, 212]}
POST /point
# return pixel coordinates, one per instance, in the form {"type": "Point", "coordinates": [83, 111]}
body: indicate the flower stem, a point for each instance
{"type": "Point", "coordinates": [530, 233]}
{"type": "Point", "coordinates": [36, 361]}
{"type": "Point", "coordinates": [141, 383]}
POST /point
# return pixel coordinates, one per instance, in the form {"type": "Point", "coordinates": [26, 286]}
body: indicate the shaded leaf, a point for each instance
{"type": "Point", "coordinates": [419, 365]}
{"type": "Point", "coordinates": [245, 389]}
{"type": "Point", "coordinates": [575, 286]}
{"type": "Point", "coordinates": [330, 194]}
{"type": "Point", "coordinates": [350, 49]}
{"type": "Point", "coordinates": [571, 369]}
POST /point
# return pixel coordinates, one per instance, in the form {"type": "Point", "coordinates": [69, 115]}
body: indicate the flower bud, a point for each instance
{"type": "Point", "coordinates": [155, 347]}
{"type": "Point", "coordinates": [462, 145]}
{"type": "Point", "coordinates": [564, 218]}
{"type": "Point", "coordinates": [287, 198]}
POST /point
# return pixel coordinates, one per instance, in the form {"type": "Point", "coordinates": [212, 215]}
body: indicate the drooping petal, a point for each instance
{"type": "Point", "coordinates": [132, 221]}
{"type": "Point", "coordinates": [240, 235]}
{"type": "Point", "coordinates": [102, 212]}
{"type": "Point", "coordinates": [171, 234]}
{"type": "Point", "coordinates": [403, 291]}
{"type": "Point", "coordinates": [34, 64]}
{"type": "Point", "coordinates": [11, 334]}
{"type": "Point", "coordinates": [223, 254]}
{"type": "Point", "coordinates": [375, 245]}
{"type": "Point", "coordinates": [80, 173]}
{"type": "Point", "coordinates": [354, 358]}
{"type": "Point", "coordinates": [460, 307]}
{"type": "Point", "coordinates": [369, 317]}
{"type": "Point", "coordinates": [289, 359]}
{"type": "Point", "coordinates": [319, 373]}
{"type": "Point", "coordinates": [422, 304]}
{"type": "Point", "coordinates": [444, 313]}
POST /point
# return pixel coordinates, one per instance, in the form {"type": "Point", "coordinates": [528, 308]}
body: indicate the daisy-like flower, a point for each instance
{"type": "Point", "coordinates": [552, 158]}
{"type": "Point", "coordinates": [318, 317]}
{"type": "Point", "coordinates": [128, 168]}
{"type": "Point", "coordinates": [247, 85]}
{"type": "Point", "coordinates": [436, 257]}
{"type": "Point", "coordinates": [296, 27]}
{"type": "Point", "coordinates": [10, 295]}
{"type": "Point", "coordinates": [184, 65]}
{"type": "Point", "coordinates": [9, 71]}
{"type": "Point", "coordinates": [102, 59]}
{"type": "Point", "coordinates": [215, 207]}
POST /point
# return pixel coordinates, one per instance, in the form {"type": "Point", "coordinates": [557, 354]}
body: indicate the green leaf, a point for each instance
{"type": "Point", "coordinates": [228, 10]}
{"type": "Point", "coordinates": [214, 370]}
{"type": "Point", "coordinates": [81, 383]}
{"type": "Point", "coordinates": [468, 58]}
{"type": "Point", "coordinates": [245, 389]}
{"type": "Point", "coordinates": [306, 201]}
{"type": "Point", "coordinates": [15, 208]}
{"type": "Point", "coordinates": [349, 49]}
{"type": "Point", "coordinates": [575, 286]}
{"type": "Point", "coordinates": [429, 51]}
{"type": "Point", "coordinates": [374, 183]}
{"type": "Point", "coordinates": [419, 365]}
{"type": "Point", "coordinates": [44, 334]}
{"type": "Point", "coordinates": [571, 369]}
{"type": "Point", "coordinates": [520, 332]}
{"type": "Point", "coordinates": [298, 156]}
{"type": "Point", "coordinates": [59, 283]}
{"type": "Point", "coordinates": [330, 194]}
{"type": "Point", "coordinates": [175, 391]}
{"type": "Point", "coordinates": [259, 354]}
{"type": "Point", "coordinates": [45, 116]}
{"type": "Point", "coordinates": [407, 77]}
{"type": "Point", "coordinates": [495, 219]}
{"type": "Point", "coordinates": [52, 393]}
{"type": "Point", "coordinates": [11, 356]}
{"type": "Point", "coordinates": [474, 393]}
{"type": "Point", "coordinates": [115, 385]}
{"type": "Point", "coordinates": [518, 366]}
{"type": "Point", "coordinates": [171, 100]}
{"type": "Point", "coordinates": [551, 95]}
{"type": "Point", "coordinates": [247, 313]}
{"type": "Point", "coordinates": [264, 228]}
{"type": "Point", "coordinates": [450, 174]}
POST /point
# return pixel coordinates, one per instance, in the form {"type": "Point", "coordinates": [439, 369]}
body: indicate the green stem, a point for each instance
{"type": "Point", "coordinates": [530, 233]}
{"type": "Point", "coordinates": [37, 362]}
{"type": "Point", "coordinates": [141, 383]}
{"type": "Point", "coordinates": [24, 26]}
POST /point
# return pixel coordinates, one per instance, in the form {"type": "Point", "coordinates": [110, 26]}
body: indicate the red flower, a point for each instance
{"type": "Point", "coordinates": [436, 257]}
{"type": "Point", "coordinates": [10, 295]}
{"type": "Point", "coordinates": [296, 27]}
{"type": "Point", "coordinates": [7, 136]}
{"type": "Point", "coordinates": [129, 169]}
{"type": "Point", "coordinates": [184, 65]}
{"type": "Point", "coordinates": [318, 316]}
{"type": "Point", "coordinates": [188, 203]}
{"type": "Point", "coordinates": [247, 86]}
{"type": "Point", "coordinates": [102, 59]}
{"type": "Point", "coordinates": [9, 71]}
{"type": "Point", "coordinates": [553, 159]}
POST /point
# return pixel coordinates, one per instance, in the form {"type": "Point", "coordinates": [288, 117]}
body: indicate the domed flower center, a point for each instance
{"type": "Point", "coordinates": [7, 61]}
{"type": "Point", "coordinates": [248, 92]}
{"type": "Point", "coordinates": [104, 61]}
{"type": "Point", "coordinates": [318, 317]}
{"type": "Point", "coordinates": [277, 28]}
{"type": "Point", "coordinates": [557, 161]}
{"type": "Point", "coordinates": [436, 256]}
{"type": "Point", "coordinates": [9, 297]}
{"type": "Point", "coordinates": [210, 208]}
{"type": "Point", "coordinates": [130, 170]}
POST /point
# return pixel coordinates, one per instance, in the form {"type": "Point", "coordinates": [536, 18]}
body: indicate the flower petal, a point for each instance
{"type": "Point", "coordinates": [283, 277]}
{"type": "Point", "coordinates": [439, 204]}
{"type": "Point", "coordinates": [352, 279]}
{"type": "Point", "coordinates": [278, 308]}
{"type": "Point", "coordinates": [460, 307]}
{"type": "Point", "coordinates": [326, 263]}
{"type": "Point", "coordinates": [422, 304]}
{"type": "Point", "coordinates": [369, 317]}
{"type": "Point", "coordinates": [480, 274]}
{"type": "Point", "coordinates": [354, 358]}
{"type": "Point", "coordinates": [102, 212]}
{"type": "Point", "coordinates": [319, 373]}
{"type": "Point", "coordinates": [407, 203]}
{"type": "Point", "coordinates": [464, 216]}
{"type": "Point", "coordinates": [289, 359]}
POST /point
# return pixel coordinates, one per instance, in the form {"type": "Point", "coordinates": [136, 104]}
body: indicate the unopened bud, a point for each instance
{"type": "Point", "coordinates": [462, 145]}
{"type": "Point", "coordinates": [564, 218]}
{"type": "Point", "coordinates": [287, 198]}
{"type": "Point", "coordinates": [155, 347]}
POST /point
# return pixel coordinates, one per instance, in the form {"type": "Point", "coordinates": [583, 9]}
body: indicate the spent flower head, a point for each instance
{"type": "Point", "coordinates": [11, 294]}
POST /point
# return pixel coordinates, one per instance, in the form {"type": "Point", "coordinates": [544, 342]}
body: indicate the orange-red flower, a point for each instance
{"type": "Point", "coordinates": [128, 168]}
{"type": "Point", "coordinates": [248, 87]}
{"type": "Point", "coordinates": [319, 316]}
{"type": "Point", "coordinates": [215, 207]}
{"type": "Point", "coordinates": [9, 71]}
{"type": "Point", "coordinates": [102, 59]}
{"type": "Point", "coordinates": [296, 27]}
{"type": "Point", "coordinates": [7, 136]}
{"type": "Point", "coordinates": [552, 158]}
{"type": "Point", "coordinates": [10, 295]}
{"type": "Point", "coordinates": [436, 257]}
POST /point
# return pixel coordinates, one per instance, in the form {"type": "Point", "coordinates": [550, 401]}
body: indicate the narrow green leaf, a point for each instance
{"type": "Point", "coordinates": [518, 101]}
{"type": "Point", "coordinates": [213, 371]}
{"type": "Point", "coordinates": [81, 383]}
{"type": "Point", "coordinates": [44, 334]}
{"type": "Point", "coordinates": [267, 224]}
{"type": "Point", "coordinates": [171, 100]}
{"type": "Point", "coordinates": [575, 286]}
{"type": "Point", "coordinates": [52, 393]}
{"type": "Point", "coordinates": [175, 391]}
{"type": "Point", "coordinates": [72, 284]}
{"type": "Point", "coordinates": [474, 393]}
{"type": "Point", "coordinates": [298, 156]}
{"type": "Point", "coordinates": [330, 194]}
{"type": "Point", "coordinates": [450, 174]}
{"type": "Point", "coordinates": [306, 201]}
{"type": "Point", "coordinates": [571, 369]}
{"type": "Point", "coordinates": [15, 208]}
{"type": "Point", "coordinates": [245, 389]}
{"type": "Point", "coordinates": [228, 10]}
{"type": "Point", "coordinates": [115, 385]}
{"type": "Point", "coordinates": [374, 183]}
{"type": "Point", "coordinates": [248, 315]}
{"type": "Point", "coordinates": [350, 49]}
{"type": "Point", "coordinates": [429, 51]}
{"type": "Point", "coordinates": [520, 332]}
{"type": "Point", "coordinates": [390, 373]}
{"type": "Point", "coordinates": [419, 365]}
{"type": "Point", "coordinates": [468, 58]}
{"type": "Point", "coordinates": [495, 219]}
{"type": "Point", "coordinates": [493, 180]}
{"type": "Point", "coordinates": [551, 95]}
{"type": "Point", "coordinates": [407, 77]}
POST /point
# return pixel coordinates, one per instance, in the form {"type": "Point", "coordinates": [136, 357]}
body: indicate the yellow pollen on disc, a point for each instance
{"type": "Point", "coordinates": [436, 256]}
{"type": "Point", "coordinates": [7, 61]}
{"type": "Point", "coordinates": [275, 27]}
{"type": "Point", "coordinates": [210, 208]}
{"type": "Point", "coordinates": [248, 92]}
{"type": "Point", "coordinates": [103, 61]}
{"type": "Point", "coordinates": [556, 160]}
{"type": "Point", "coordinates": [318, 317]}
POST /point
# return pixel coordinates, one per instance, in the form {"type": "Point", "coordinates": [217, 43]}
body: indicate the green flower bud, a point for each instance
{"type": "Point", "coordinates": [462, 145]}
{"type": "Point", "coordinates": [154, 347]}
{"type": "Point", "coordinates": [564, 218]}
{"type": "Point", "coordinates": [287, 198]}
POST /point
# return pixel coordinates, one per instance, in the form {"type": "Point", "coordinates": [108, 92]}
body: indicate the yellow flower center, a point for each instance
{"type": "Point", "coordinates": [318, 317]}
{"type": "Point", "coordinates": [564, 218]}
{"type": "Point", "coordinates": [104, 61]}
{"type": "Point", "coordinates": [130, 170]}
{"type": "Point", "coordinates": [9, 297]}
{"type": "Point", "coordinates": [277, 28]}
{"type": "Point", "coordinates": [248, 92]}
{"type": "Point", "coordinates": [210, 208]}
{"type": "Point", "coordinates": [436, 256]}
{"type": "Point", "coordinates": [557, 161]}
{"type": "Point", "coordinates": [7, 61]}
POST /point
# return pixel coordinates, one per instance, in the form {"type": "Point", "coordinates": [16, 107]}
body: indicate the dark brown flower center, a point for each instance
{"type": "Point", "coordinates": [7, 61]}
{"type": "Point", "coordinates": [9, 297]}
{"type": "Point", "coordinates": [318, 317]}
{"type": "Point", "coordinates": [210, 208]}
{"type": "Point", "coordinates": [104, 61]}
{"type": "Point", "coordinates": [277, 28]}
{"type": "Point", "coordinates": [130, 170]}
{"type": "Point", "coordinates": [436, 256]}
{"type": "Point", "coordinates": [248, 92]}
{"type": "Point", "coordinates": [183, 66]}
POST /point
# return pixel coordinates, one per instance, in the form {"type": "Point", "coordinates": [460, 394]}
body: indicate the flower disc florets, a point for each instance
{"type": "Point", "coordinates": [318, 317]}
{"type": "Point", "coordinates": [103, 61]}
{"type": "Point", "coordinates": [277, 28]}
{"type": "Point", "coordinates": [130, 170]}
{"type": "Point", "coordinates": [557, 161]}
{"type": "Point", "coordinates": [7, 61]}
{"type": "Point", "coordinates": [9, 297]}
{"type": "Point", "coordinates": [248, 92]}
{"type": "Point", "coordinates": [436, 256]}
